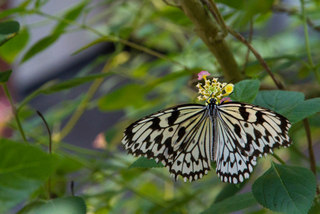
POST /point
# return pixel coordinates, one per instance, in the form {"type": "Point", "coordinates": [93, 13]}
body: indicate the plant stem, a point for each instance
{"type": "Point", "coordinates": [315, 70]}
{"type": "Point", "coordinates": [210, 32]}
{"type": "Point", "coordinates": [248, 51]}
{"type": "Point", "coordinates": [257, 55]}
{"type": "Point", "coordinates": [310, 148]}
{"type": "Point", "coordinates": [307, 43]}
{"type": "Point", "coordinates": [14, 111]}
{"type": "Point", "coordinates": [217, 15]}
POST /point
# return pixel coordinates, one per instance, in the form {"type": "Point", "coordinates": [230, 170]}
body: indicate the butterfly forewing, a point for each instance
{"type": "Point", "coordinates": [245, 132]}
{"type": "Point", "coordinates": [179, 137]}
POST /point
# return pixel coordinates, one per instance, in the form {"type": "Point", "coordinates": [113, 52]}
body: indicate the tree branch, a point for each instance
{"type": "Point", "coordinates": [210, 33]}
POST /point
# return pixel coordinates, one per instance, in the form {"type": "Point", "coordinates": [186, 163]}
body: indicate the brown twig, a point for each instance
{"type": "Point", "coordinates": [48, 130]}
{"type": "Point", "coordinates": [257, 55]}
{"type": "Point", "coordinates": [310, 150]}
{"type": "Point", "coordinates": [248, 51]}
{"type": "Point", "coordinates": [50, 149]}
{"type": "Point", "coordinates": [217, 15]}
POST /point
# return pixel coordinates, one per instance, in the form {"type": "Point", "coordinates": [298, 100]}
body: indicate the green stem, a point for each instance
{"type": "Point", "coordinates": [307, 43]}
{"type": "Point", "coordinates": [14, 111]}
{"type": "Point", "coordinates": [210, 32]}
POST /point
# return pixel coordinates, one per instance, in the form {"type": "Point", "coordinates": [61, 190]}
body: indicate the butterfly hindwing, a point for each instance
{"type": "Point", "coordinates": [245, 132]}
{"type": "Point", "coordinates": [179, 137]}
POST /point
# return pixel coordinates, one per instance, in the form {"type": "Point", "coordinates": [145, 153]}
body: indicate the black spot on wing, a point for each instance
{"type": "Point", "coordinates": [237, 130]}
{"type": "Point", "coordinates": [128, 132]}
{"type": "Point", "coordinates": [259, 116]}
{"type": "Point", "coordinates": [168, 145]}
{"type": "Point", "coordinates": [158, 139]}
{"type": "Point", "coordinates": [173, 117]}
{"type": "Point", "coordinates": [155, 124]}
{"type": "Point", "coordinates": [257, 134]}
{"type": "Point", "coordinates": [148, 142]}
{"type": "Point", "coordinates": [181, 133]}
{"type": "Point", "coordinates": [244, 114]}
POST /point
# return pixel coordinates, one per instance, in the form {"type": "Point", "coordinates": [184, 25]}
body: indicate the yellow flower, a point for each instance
{"type": "Point", "coordinates": [229, 89]}
{"type": "Point", "coordinates": [212, 88]}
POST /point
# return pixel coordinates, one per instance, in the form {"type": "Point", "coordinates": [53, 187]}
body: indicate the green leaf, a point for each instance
{"type": "Point", "coordinates": [232, 204]}
{"type": "Point", "coordinates": [245, 91]}
{"type": "Point", "coordinates": [13, 47]}
{"type": "Point", "coordinates": [9, 27]}
{"type": "Point", "coordinates": [97, 41]}
{"type": "Point", "coordinates": [288, 103]}
{"type": "Point", "coordinates": [66, 164]}
{"type": "Point", "coordinates": [8, 30]}
{"type": "Point", "coordinates": [305, 109]}
{"type": "Point", "coordinates": [131, 94]}
{"type": "Point", "coordinates": [279, 101]}
{"type": "Point", "coordinates": [70, 15]}
{"type": "Point", "coordinates": [23, 169]}
{"type": "Point", "coordinates": [59, 29]}
{"type": "Point", "coordinates": [66, 205]}
{"type": "Point", "coordinates": [144, 162]}
{"type": "Point", "coordinates": [4, 76]}
{"type": "Point", "coordinates": [286, 189]}
{"type": "Point", "coordinates": [39, 46]}
{"type": "Point", "coordinates": [27, 209]}
{"type": "Point", "coordinates": [11, 11]}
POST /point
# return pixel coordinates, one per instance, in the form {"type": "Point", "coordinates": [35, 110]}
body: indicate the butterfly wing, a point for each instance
{"type": "Point", "coordinates": [245, 132]}
{"type": "Point", "coordinates": [179, 137]}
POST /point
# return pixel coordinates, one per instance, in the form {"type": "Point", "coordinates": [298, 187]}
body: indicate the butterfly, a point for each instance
{"type": "Point", "coordinates": [186, 138]}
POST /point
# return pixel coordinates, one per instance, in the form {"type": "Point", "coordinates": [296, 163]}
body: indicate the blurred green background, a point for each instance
{"type": "Point", "coordinates": [93, 67]}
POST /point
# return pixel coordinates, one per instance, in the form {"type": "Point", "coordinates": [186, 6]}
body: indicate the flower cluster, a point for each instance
{"type": "Point", "coordinates": [213, 88]}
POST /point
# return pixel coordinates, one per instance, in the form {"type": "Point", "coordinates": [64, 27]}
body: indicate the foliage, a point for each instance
{"type": "Point", "coordinates": [158, 51]}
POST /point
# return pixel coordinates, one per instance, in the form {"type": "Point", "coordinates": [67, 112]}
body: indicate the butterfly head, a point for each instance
{"type": "Point", "coordinates": [212, 91]}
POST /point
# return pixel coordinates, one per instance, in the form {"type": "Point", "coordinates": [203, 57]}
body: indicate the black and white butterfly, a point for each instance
{"type": "Point", "coordinates": [186, 138]}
